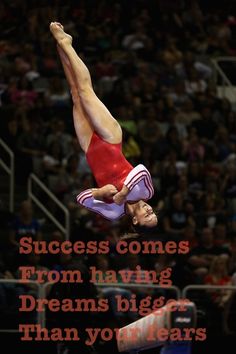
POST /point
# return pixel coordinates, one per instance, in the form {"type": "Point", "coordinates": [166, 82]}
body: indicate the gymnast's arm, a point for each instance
{"type": "Point", "coordinates": [138, 174]}
{"type": "Point", "coordinates": [92, 200]}
{"type": "Point", "coordinates": [104, 192]}
{"type": "Point", "coordinates": [101, 193]}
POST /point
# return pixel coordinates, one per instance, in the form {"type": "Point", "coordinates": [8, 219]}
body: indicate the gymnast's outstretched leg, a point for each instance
{"type": "Point", "coordinates": [83, 128]}
{"type": "Point", "coordinates": [99, 116]}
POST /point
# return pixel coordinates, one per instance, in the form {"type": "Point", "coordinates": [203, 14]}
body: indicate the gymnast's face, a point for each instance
{"type": "Point", "coordinates": [144, 215]}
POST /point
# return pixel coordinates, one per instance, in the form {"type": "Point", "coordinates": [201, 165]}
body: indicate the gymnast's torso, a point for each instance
{"type": "Point", "coordinates": [109, 166]}
{"type": "Point", "coordinates": [107, 162]}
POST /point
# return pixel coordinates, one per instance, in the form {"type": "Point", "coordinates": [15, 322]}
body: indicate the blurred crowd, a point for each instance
{"type": "Point", "coordinates": [150, 63]}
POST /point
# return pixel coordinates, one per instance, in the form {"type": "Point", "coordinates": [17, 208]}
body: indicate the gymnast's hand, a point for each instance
{"type": "Point", "coordinates": [120, 197]}
{"type": "Point", "coordinates": [108, 191]}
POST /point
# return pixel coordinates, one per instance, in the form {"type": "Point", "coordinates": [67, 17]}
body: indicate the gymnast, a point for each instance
{"type": "Point", "coordinates": [122, 188]}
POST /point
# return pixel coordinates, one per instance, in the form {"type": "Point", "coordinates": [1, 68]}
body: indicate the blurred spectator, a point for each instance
{"type": "Point", "coordinates": [73, 291]}
{"type": "Point", "coordinates": [137, 39]}
{"type": "Point", "coordinates": [176, 218]}
{"type": "Point", "coordinates": [202, 255]}
{"type": "Point", "coordinates": [221, 238]}
{"type": "Point", "coordinates": [12, 134]}
{"type": "Point", "coordinates": [205, 126]}
{"type": "Point", "coordinates": [25, 225]}
{"type": "Point", "coordinates": [228, 188]}
{"type": "Point", "coordinates": [211, 212]}
{"type": "Point", "coordinates": [194, 150]}
{"type": "Point", "coordinates": [58, 94]}
{"type": "Point", "coordinates": [182, 188]}
{"type": "Point", "coordinates": [190, 235]}
{"type": "Point", "coordinates": [33, 260]}
{"type": "Point", "coordinates": [193, 84]}
{"type": "Point", "coordinates": [24, 93]}
{"type": "Point", "coordinates": [75, 149]}
{"type": "Point", "coordinates": [223, 143]}
{"type": "Point", "coordinates": [49, 260]}
{"type": "Point", "coordinates": [69, 179]}
{"type": "Point", "coordinates": [60, 136]}
{"type": "Point", "coordinates": [31, 147]}
{"type": "Point", "coordinates": [202, 71]}
{"type": "Point", "coordinates": [131, 262]}
{"type": "Point", "coordinates": [148, 128]}
{"type": "Point", "coordinates": [169, 179]}
{"type": "Point", "coordinates": [102, 264]}
{"type": "Point", "coordinates": [52, 163]}
{"type": "Point", "coordinates": [218, 275]}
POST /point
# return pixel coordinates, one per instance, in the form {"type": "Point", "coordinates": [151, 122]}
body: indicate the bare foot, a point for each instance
{"type": "Point", "coordinates": [60, 36]}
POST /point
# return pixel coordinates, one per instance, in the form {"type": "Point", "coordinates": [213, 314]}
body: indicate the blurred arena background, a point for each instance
{"type": "Point", "coordinates": [167, 71]}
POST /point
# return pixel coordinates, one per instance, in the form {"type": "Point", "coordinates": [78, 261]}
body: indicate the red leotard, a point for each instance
{"type": "Point", "coordinates": [107, 162]}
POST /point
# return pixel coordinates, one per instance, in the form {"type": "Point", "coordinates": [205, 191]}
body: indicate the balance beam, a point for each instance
{"type": "Point", "coordinates": [142, 334]}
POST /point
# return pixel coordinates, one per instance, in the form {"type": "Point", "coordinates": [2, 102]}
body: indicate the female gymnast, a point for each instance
{"type": "Point", "coordinates": [123, 189]}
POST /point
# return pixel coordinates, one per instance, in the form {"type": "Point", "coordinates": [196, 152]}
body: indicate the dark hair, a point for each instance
{"type": "Point", "coordinates": [144, 230]}
{"type": "Point", "coordinates": [142, 233]}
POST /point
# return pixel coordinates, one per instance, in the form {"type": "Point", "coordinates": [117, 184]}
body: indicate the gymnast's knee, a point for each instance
{"type": "Point", "coordinates": [75, 96]}
{"type": "Point", "coordinates": [86, 92]}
